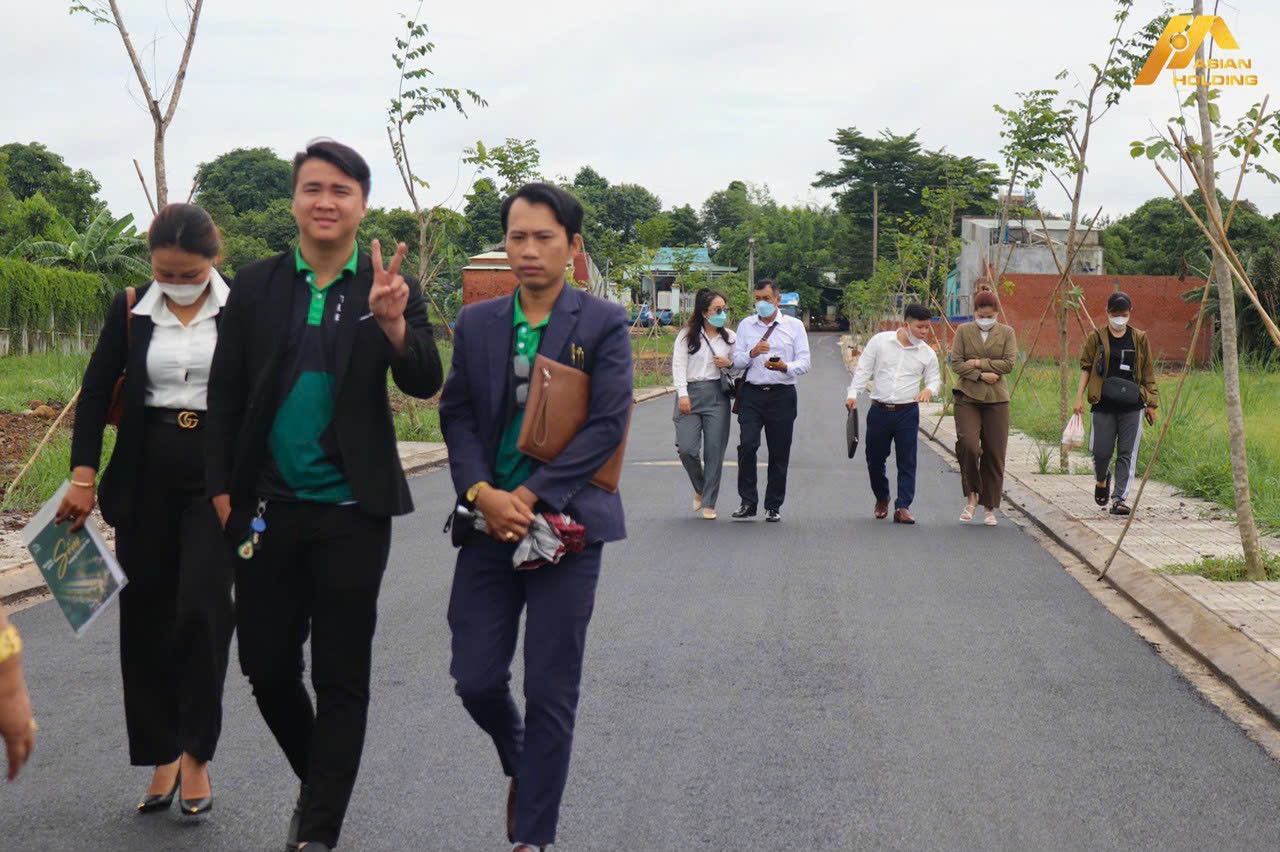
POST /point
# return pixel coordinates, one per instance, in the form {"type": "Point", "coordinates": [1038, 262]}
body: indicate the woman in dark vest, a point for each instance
{"type": "Point", "coordinates": [176, 615]}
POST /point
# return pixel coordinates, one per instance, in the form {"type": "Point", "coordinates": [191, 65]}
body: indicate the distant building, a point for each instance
{"type": "Point", "coordinates": [489, 275]}
{"type": "Point", "coordinates": [1020, 247]}
{"type": "Point", "coordinates": [660, 274]}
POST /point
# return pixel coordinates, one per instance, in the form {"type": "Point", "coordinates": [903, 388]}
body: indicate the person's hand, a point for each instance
{"type": "Point", "coordinates": [222, 505]}
{"type": "Point", "coordinates": [506, 515]}
{"type": "Point", "coordinates": [974, 363]}
{"type": "Point", "coordinates": [990, 378]}
{"type": "Point", "coordinates": [76, 506]}
{"type": "Point", "coordinates": [760, 348]}
{"type": "Point", "coordinates": [389, 295]}
{"type": "Point", "coordinates": [17, 725]}
{"type": "Point", "coordinates": [722, 362]}
{"type": "Point", "coordinates": [924, 395]}
{"type": "Point", "coordinates": [1079, 409]}
{"type": "Point", "coordinates": [779, 366]}
{"type": "Point", "coordinates": [1151, 416]}
{"type": "Point", "coordinates": [850, 404]}
{"type": "Point", "coordinates": [684, 405]}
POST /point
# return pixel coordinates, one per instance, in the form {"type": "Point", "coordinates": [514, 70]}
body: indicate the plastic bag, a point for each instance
{"type": "Point", "coordinates": [1073, 435]}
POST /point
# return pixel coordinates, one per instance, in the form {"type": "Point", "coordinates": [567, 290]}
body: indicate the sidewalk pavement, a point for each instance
{"type": "Point", "coordinates": [1234, 628]}
{"type": "Point", "coordinates": [19, 577]}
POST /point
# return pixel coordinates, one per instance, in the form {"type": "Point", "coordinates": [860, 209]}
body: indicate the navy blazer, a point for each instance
{"type": "Point", "coordinates": [473, 405]}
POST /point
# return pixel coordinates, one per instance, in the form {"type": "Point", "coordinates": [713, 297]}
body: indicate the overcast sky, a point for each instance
{"type": "Point", "coordinates": [680, 97]}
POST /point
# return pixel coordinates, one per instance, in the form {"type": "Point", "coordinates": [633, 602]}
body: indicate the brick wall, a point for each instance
{"type": "Point", "coordinates": [1158, 309]}
{"type": "Point", "coordinates": [481, 284]}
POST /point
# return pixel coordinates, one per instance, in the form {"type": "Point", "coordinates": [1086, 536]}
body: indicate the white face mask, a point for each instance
{"type": "Point", "coordinates": [183, 294]}
{"type": "Point", "coordinates": [913, 340]}
{"type": "Point", "coordinates": [986, 323]}
{"type": "Point", "coordinates": [1119, 322]}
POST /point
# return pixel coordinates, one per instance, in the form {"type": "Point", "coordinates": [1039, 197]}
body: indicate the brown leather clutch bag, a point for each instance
{"type": "Point", "coordinates": [559, 398]}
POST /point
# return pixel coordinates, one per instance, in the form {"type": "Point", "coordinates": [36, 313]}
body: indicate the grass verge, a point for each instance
{"type": "Point", "coordinates": [1225, 569]}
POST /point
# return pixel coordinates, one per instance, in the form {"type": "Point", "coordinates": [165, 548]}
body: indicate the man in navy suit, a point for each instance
{"type": "Point", "coordinates": [481, 411]}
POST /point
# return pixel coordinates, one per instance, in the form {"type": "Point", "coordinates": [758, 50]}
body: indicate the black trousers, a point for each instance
{"type": "Point", "coordinates": [484, 617]}
{"type": "Point", "coordinates": [176, 614]}
{"type": "Point", "coordinates": [317, 572]}
{"type": "Point", "coordinates": [773, 409]}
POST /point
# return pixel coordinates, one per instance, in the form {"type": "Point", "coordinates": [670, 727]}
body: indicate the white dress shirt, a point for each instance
{"type": "Point", "coordinates": [896, 370]}
{"type": "Point", "coordinates": [788, 341]}
{"type": "Point", "coordinates": [700, 366]}
{"type": "Point", "coordinates": [179, 356]}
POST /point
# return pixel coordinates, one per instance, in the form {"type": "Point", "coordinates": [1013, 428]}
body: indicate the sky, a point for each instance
{"type": "Point", "coordinates": [679, 97]}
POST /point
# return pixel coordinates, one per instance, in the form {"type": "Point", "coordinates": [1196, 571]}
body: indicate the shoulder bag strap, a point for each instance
{"type": "Point", "coordinates": [767, 333]}
{"type": "Point", "coordinates": [131, 300]}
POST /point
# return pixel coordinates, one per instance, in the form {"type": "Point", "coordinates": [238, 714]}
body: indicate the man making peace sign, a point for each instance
{"type": "Point", "coordinates": [304, 472]}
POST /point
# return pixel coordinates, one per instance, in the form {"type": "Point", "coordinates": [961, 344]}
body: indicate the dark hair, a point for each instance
{"type": "Point", "coordinates": [186, 227]}
{"type": "Point", "coordinates": [917, 311]}
{"type": "Point", "coordinates": [566, 208]}
{"type": "Point", "coordinates": [985, 299]}
{"type": "Point", "coordinates": [342, 157]}
{"type": "Point", "coordinates": [767, 284]}
{"type": "Point", "coordinates": [1119, 301]}
{"type": "Point", "coordinates": [701, 304]}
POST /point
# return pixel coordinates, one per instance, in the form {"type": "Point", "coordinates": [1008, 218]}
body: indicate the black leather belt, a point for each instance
{"type": "Point", "coordinates": [182, 418]}
{"type": "Point", "coordinates": [769, 387]}
{"type": "Point", "coordinates": [894, 406]}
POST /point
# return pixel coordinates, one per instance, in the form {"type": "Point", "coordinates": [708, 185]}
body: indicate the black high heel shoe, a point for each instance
{"type": "Point", "coordinates": [197, 807]}
{"type": "Point", "coordinates": [153, 803]}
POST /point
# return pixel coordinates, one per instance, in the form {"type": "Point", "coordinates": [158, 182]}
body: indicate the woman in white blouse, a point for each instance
{"type": "Point", "coordinates": [703, 353]}
{"type": "Point", "coordinates": [176, 616]}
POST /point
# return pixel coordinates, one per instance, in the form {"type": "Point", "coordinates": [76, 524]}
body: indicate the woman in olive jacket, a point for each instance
{"type": "Point", "coordinates": [1119, 376]}
{"type": "Point", "coordinates": [983, 354]}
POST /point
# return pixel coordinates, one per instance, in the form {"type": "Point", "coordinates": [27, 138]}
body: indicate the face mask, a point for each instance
{"type": "Point", "coordinates": [986, 323]}
{"type": "Point", "coordinates": [718, 320]}
{"type": "Point", "coordinates": [765, 309]}
{"type": "Point", "coordinates": [913, 340]}
{"type": "Point", "coordinates": [1119, 322]}
{"type": "Point", "coordinates": [183, 294]}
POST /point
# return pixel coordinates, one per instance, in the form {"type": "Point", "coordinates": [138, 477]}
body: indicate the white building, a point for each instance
{"type": "Point", "coordinates": [1021, 246]}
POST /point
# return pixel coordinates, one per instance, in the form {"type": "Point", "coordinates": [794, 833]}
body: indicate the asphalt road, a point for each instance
{"type": "Point", "coordinates": [833, 682]}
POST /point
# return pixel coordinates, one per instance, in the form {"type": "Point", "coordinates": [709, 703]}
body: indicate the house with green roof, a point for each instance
{"type": "Point", "coordinates": [668, 264]}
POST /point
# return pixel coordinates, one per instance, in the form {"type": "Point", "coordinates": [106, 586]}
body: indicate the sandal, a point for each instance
{"type": "Point", "coordinates": [967, 515]}
{"type": "Point", "coordinates": [989, 518]}
{"type": "Point", "coordinates": [1102, 492]}
{"type": "Point", "coordinates": [1119, 507]}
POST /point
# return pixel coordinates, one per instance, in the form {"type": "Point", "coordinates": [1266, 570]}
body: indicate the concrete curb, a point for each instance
{"type": "Point", "coordinates": [24, 580]}
{"type": "Point", "coordinates": [1250, 670]}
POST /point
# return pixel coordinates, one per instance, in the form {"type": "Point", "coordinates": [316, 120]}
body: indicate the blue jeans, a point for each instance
{"type": "Point", "coordinates": [900, 429]}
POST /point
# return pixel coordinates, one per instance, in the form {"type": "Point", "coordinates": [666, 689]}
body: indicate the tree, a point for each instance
{"type": "Point", "coordinates": [654, 233]}
{"type": "Point", "coordinates": [109, 248]}
{"type": "Point", "coordinates": [32, 168]}
{"type": "Point", "coordinates": [626, 206]}
{"type": "Point", "coordinates": [793, 247]}
{"type": "Point", "coordinates": [239, 250]}
{"type": "Point", "coordinates": [725, 210]}
{"type": "Point", "coordinates": [108, 12]}
{"type": "Point", "coordinates": [484, 217]}
{"type": "Point", "coordinates": [273, 224]}
{"type": "Point", "coordinates": [413, 100]}
{"type": "Point", "coordinates": [1159, 238]}
{"type": "Point", "coordinates": [244, 179]}
{"type": "Point", "coordinates": [515, 162]}
{"type": "Point", "coordinates": [32, 218]}
{"type": "Point", "coordinates": [686, 230]}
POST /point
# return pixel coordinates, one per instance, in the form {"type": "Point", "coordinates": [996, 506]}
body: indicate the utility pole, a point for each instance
{"type": "Point", "coordinates": [751, 262]}
{"type": "Point", "coordinates": [875, 227]}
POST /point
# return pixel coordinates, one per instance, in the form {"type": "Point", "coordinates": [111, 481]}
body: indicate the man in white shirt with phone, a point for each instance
{"type": "Point", "coordinates": [897, 362]}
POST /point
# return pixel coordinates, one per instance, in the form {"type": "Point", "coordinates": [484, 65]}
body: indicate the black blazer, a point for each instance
{"type": "Point", "coordinates": [117, 491]}
{"type": "Point", "coordinates": [244, 392]}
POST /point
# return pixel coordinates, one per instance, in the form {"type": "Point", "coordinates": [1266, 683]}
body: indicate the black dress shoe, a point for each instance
{"type": "Point", "coordinates": [511, 811]}
{"type": "Point", "coordinates": [153, 803]}
{"type": "Point", "coordinates": [744, 512]}
{"type": "Point", "coordinates": [772, 516]}
{"type": "Point", "coordinates": [295, 822]}
{"type": "Point", "coordinates": [196, 807]}
{"type": "Point", "coordinates": [316, 846]}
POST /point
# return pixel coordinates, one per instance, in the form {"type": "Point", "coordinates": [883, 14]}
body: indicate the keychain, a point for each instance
{"type": "Point", "coordinates": [257, 526]}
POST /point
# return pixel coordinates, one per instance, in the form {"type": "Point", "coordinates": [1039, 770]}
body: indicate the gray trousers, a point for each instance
{"type": "Point", "coordinates": [702, 437]}
{"type": "Point", "coordinates": [1119, 434]}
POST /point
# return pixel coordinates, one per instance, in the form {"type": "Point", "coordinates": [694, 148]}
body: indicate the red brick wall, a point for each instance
{"type": "Point", "coordinates": [481, 284]}
{"type": "Point", "coordinates": [1158, 309]}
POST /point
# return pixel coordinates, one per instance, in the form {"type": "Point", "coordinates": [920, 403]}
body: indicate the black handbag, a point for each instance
{"type": "Point", "coordinates": [1117, 390]}
{"type": "Point", "coordinates": [728, 384]}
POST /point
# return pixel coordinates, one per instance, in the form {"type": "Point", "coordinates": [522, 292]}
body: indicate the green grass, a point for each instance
{"type": "Point", "coordinates": [50, 470]}
{"type": "Point", "coordinates": [1195, 456]}
{"type": "Point", "coordinates": [43, 377]}
{"type": "Point", "coordinates": [1225, 569]}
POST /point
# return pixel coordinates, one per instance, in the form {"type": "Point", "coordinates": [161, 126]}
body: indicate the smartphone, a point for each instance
{"type": "Point", "coordinates": [775, 357]}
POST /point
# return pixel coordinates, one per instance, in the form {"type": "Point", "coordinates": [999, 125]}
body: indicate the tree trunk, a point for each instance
{"type": "Point", "coordinates": [1230, 348]}
{"type": "Point", "coordinates": [162, 179]}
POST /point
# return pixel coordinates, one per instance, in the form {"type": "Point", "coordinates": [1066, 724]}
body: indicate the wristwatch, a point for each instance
{"type": "Point", "coordinates": [474, 491]}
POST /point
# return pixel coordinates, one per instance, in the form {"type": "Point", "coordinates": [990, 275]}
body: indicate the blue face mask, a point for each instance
{"type": "Point", "coordinates": [765, 309]}
{"type": "Point", "coordinates": [718, 320]}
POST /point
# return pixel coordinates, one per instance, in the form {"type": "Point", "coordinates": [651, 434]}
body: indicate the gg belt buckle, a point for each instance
{"type": "Point", "coordinates": [188, 420]}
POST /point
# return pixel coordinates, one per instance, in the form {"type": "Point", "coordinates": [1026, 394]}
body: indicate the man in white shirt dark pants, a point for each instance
{"type": "Point", "coordinates": [773, 349]}
{"type": "Point", "coordinates": [897, 362]}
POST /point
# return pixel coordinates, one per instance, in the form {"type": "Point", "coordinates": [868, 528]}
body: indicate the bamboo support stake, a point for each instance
{"type": "Point", "coordinates": [13, 485]}
{"type": "Point", "coordinates": [145, 191]}
{"type": "Point", "coordinates": [1164, 430]}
